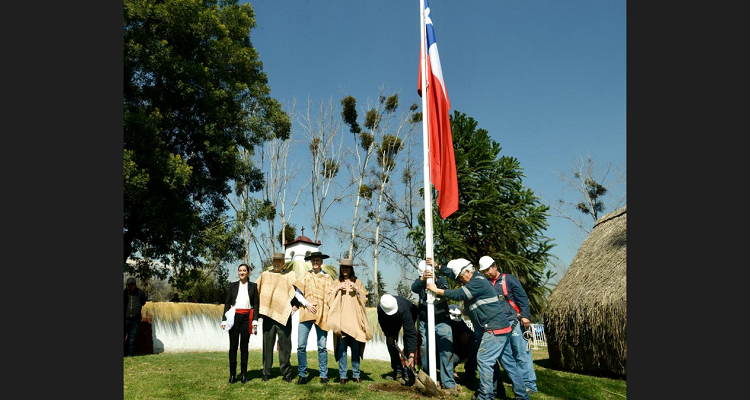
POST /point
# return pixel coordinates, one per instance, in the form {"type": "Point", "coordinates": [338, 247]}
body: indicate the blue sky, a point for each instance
{"type": "Point", "coordinates": [546, 78]}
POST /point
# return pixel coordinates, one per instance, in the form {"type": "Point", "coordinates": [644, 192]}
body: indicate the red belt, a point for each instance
{"type": "Point", "coordinates": [246, 311]}
{"type": "Point", "coordinates": [501, 331]}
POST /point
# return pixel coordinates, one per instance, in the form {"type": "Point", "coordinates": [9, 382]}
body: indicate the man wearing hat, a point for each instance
{"type": "Point", "coordinates": [277, 303]}
{"type": "Point", "coordinates": [509, 288]}
{"type": "Point", "coordinates": [311, 289]}
{"type": "Point", "coordinates": [135, 298]}
{"type": "Point", "coordinates": [394, 314]}
{"type": "Point", "coordinates": [443, 335]}
{"type": "Point", "coordinates": [491, 328]}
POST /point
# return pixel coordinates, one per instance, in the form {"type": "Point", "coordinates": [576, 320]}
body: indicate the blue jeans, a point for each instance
{"type": "Point", "coordinates": [491, 349]}
{"type": "Point", "coordinates": [523, 357]}
{"type": "Point", "coordinates": [345, 342]}
{"type": "Point", "coordinates": [303, 331]}
{"type": "Point", "coordinates": [444, 339]}
{"type": "Point", "coordinates": [514, 363]}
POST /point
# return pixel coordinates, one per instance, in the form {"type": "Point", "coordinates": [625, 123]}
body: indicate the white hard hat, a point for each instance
{"type": "Point", "coordinates": [485, 262]}
{"type": "Point", "coordinates": [455, 312]}
{"type": "Point", "coordinates": [458, 265]}
{"type": "Point", "coordinates": [422, 266]}
{"type": "Point", "coordinates": [389, 304]}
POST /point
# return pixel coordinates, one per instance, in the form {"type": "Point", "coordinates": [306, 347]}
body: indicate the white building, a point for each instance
{"type": "Point", "coordinates": [297, 249]}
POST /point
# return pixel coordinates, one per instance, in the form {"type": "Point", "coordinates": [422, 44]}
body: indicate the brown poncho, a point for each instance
{"type": "Point", "coordinates": [276, 291]}
{"type": "Point", "coordinates": [347, 315]}
{"type": "Point", "coordinates": [314, 287]}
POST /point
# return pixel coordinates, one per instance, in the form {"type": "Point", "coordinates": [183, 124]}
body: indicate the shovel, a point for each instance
{"type": "Point", "coordinates": [423, 382]}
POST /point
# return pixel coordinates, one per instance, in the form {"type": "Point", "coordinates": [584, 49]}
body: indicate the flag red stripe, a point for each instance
{"type": "Point", "coordinates": [442, 159]}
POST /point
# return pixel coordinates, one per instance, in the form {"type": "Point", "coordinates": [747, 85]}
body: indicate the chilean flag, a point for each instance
{"type": "Point", "coordinates": [442, 160]}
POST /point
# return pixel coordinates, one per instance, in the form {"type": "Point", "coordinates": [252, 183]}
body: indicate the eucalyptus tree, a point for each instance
{"type": "Point", "coordinates": [279, 173]}
{"type": "Point", "coordinates": [402, 206]}
{"type": "Point", "coordinates": [364, 145]}
{"type": "Point", "coordinates": [322, 131]}
{"type": "Point", "coordinates": [195, 96]}
{"type": "Point", "coordinates": [392, 130]}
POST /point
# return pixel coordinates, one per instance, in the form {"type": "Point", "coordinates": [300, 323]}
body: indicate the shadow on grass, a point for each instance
{"type": "Point", "coordinates": [544, 363]}
{"type": "Point", "coordinates": [275, 373]}
{"type": "Point", "coordinates": [313, 375]}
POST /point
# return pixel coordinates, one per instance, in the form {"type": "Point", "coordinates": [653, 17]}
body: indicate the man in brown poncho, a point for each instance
{"type": "Point", "coordinates": [312, 287]}
{"type": "Point", "coordinates": [277, 303]}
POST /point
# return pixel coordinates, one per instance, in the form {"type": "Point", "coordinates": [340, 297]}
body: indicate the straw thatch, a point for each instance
{"type": "Point", "coordinates": [175, 312]}
{"type": "Point", "coordinates": [586, 315]}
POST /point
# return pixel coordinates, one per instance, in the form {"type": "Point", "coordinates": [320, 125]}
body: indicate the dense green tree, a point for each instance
{"type": "Point", "coordinates": [211, 286]}
{"type": "Point", "coordinates": [289, 232]}
{"type": "Point", "coordinates": [195, 98]}
{"type": "Point", "coordinates": [497, 215]}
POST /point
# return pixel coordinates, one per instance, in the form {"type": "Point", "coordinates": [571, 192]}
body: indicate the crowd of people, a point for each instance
{"type": "Point", "coordinates": [494, 301]}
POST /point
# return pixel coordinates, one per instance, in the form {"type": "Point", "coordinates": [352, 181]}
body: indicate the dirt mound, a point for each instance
{"type": "Point", "coordinates": [410, 391]}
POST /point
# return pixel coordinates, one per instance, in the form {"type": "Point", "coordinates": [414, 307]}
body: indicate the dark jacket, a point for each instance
{"type": "Point", "coordinates": [464, 342]}
{"type": "Point", "coordinates": [134, 302]}
{"type": "Point", "coordinates": [515, 294]}
{"type": "Point", "coordinates": [252, 293]}
{"type": "Point", "coordinates": [440, 304]}
{"type": "Point", "coordinates": [403, 318]}
{"type": "Point", "coordinates": [486, 311]}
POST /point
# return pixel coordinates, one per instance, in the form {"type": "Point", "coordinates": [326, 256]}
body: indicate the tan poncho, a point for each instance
{"type": "Point", "coordinates": [276, 291]}
{"type": "Point", "coordinates": [347, 315]}
{"type": "Point", "coordinates": [314, 287]}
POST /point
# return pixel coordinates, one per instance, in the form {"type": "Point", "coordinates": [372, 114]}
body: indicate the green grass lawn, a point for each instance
{"type": "Point", "coordinates": [204, 376]}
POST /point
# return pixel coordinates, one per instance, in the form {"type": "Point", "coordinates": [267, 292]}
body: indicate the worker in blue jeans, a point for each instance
{"type": "Point", "coordinates": [517, 312]}
{"type": "Point", "coordinates": [442, 324]}
{"type": "Point", "coordinates": [487, 316]}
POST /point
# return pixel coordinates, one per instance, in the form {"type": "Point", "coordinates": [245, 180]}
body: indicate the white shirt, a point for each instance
{"type": "Point", "coordinates": [243, 300]}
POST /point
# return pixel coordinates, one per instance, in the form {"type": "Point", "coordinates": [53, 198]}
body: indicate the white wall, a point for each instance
{"type": "Point", "coordinates": [299, 250]}
{"type": "Point", "coordinates": [200, 333]}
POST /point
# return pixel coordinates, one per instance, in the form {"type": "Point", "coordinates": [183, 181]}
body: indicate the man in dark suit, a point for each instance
{"type": "Point", "coordinates": [135, 298]}
{"type": "Point", "coordinates": [394, 314]}
{"type": "Point", "coordinates": [277, 304]}
{"type": "Point", "coordinates": [243, 296]}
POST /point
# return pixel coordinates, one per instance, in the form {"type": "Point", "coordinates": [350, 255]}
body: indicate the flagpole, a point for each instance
{"type": "Point", "coordinates": [427, 195]}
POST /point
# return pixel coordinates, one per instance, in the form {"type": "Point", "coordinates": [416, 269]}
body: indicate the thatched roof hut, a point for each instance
{"type": "Point", "coordinates": [586, 315]}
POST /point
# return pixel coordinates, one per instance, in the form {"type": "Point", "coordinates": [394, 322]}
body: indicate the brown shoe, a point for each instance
{"type": "Point", "coordinates": [356, 380]}
{"type": "Point", "coordinates": [343, 381]}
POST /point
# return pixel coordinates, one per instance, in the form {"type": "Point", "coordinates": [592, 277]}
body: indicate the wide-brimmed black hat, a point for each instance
{"type": "Point", "coordinates": [316, 254]}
